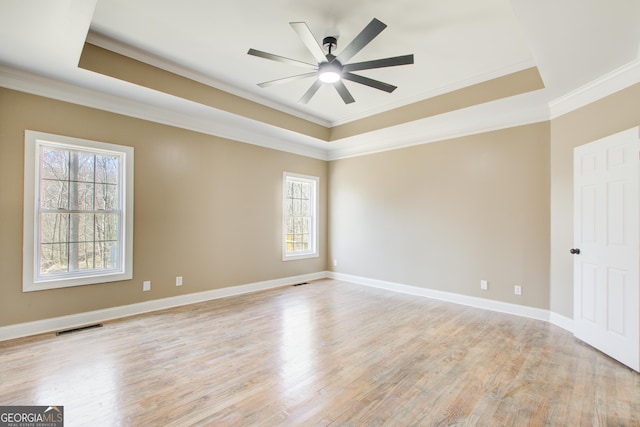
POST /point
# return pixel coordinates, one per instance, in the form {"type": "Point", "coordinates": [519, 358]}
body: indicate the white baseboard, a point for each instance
{"type": "Point", "coordinates": [487, 304]}
{"type": "Point", "coordinates": [561, 321]}
{"type": "Point", "coordinates": [75, 320]}
{"type": "Point", "coordinates": [80, 319]}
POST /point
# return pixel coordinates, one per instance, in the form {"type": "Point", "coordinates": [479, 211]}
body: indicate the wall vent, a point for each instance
{"type": "Point", "coordinates": [78, 329]}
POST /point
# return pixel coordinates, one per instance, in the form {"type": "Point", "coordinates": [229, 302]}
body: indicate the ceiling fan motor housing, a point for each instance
{"type": "Point", "coordinates": [330, 43]}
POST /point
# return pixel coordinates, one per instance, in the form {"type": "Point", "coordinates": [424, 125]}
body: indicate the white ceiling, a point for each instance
{"type": "Point", "coordinates": [456, 43]}
{"type": "Point", "coordinates": [453, 42]}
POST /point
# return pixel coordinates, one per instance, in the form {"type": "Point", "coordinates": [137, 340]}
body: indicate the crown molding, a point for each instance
{"type": "Point", "coordinates": [610, 83]}
{"type": "Point", "coordinates": [505, 113]}
{"type": "Point", "coordinates": [161, 108]}
{"type": "Point", "coordinates": [480, 78]}
{"type": "Point", "coordinates": [108, 43]}
{"type": "Point", "coordinates": [182, 114]}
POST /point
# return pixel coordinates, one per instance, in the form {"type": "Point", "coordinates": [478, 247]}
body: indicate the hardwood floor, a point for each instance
{"type": "Point", "coordinates": [327, 353]}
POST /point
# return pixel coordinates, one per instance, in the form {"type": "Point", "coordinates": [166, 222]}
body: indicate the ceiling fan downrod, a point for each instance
{"type": "Point", "coordinates": [329, 44]}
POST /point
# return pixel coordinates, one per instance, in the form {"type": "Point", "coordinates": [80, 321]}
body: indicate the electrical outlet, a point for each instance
{"type": "Point", "coordinates": [517, 289]}
{"type": "Point", "coordinates": [335, 262]}
{"type": "Point", "coordinates": [484, 285]}
{"type": "Point", "coordinates": [146, 285]}
{"type": "Point", "coordinates": [179, 281]}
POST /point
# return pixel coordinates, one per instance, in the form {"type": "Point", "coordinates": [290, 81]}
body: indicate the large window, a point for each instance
{"type": "Point", "coordinates": [300, 216]}
{"type": "Point", "coordinates": [78, 214]}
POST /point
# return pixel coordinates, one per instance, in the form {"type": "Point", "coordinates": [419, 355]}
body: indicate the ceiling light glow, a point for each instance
{"type": "Point", "coordinates": [329, 72]}
{"type": "Point", "coordinates": [329, 77]}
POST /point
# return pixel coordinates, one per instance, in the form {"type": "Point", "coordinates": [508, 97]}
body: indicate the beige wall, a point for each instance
{"type": "Point", "coordinates": [494, 206]}
{"type": "Point", "coordinates": [612, 114]}
{"type": "Point", "coordinates": [447, 214]}
{"type": "Point", "coordinates": [206, 208]}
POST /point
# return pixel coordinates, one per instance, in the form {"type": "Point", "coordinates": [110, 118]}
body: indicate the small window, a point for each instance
{"type": "Point", "coordinates": [300, 217]}
{"type": "Point", "coordinates": [78, 213]}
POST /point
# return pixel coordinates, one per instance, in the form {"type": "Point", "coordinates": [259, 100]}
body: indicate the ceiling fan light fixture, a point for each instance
{"type": "Point", "coordinates": [329, 77]}
{"type": "Point", "coordinates": [329, 68]}
{"type": "Point", "coordinates": [329, 72]}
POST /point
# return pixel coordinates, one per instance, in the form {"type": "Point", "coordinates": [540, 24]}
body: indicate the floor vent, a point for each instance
{"type": "Point", "coordinates": [81, 328]}
{"type": "Point", "coordinates": [300, 284]}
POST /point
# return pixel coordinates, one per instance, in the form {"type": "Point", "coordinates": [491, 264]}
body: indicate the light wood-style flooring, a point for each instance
{"type": "Point", "coordinates": [326, 353]}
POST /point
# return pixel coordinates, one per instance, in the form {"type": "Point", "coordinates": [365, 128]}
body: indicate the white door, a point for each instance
{"type": "Point", "coordinates": [606, 245]}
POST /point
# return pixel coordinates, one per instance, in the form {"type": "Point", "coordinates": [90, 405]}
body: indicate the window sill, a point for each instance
{"type": "Point", "coordinates": [30, 286]}
{"type": "Point", "coordinates": [300, 256]}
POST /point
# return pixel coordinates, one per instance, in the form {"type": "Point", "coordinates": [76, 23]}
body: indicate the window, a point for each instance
{"type": "Point", "coordinates": [300, 217]}
{"type": "Point", "coordinates": [78, 213]}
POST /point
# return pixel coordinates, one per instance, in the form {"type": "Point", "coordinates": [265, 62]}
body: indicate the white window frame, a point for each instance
{"type": "Point", "coordinates": [312, 252]}
{"type": "Point", "coordinates": [31, 241]}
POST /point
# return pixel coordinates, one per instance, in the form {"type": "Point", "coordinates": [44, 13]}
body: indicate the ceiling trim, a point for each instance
{"type": "Point", "coordinates": [125, 69]}
{"type": "Point", "coordinates": [608, 84]}
{"type": "Point", "coordinates": [462, 84]}
{"type": "Point", "coordinates": [118, 47]}
{"type": "Point", "coordinates": [198, 118]}
{"type": "Point", "coordinates": [500, 114]}
{"type": "Point", "coordinates": [108, 43]}
{"type": "Point", "coordinates": [509, 112]}
{"type": "Point", "coordinates": [506, 86]}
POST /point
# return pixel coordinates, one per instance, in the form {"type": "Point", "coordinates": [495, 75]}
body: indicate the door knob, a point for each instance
{"type": "Point", "coordinates": [575, 251]}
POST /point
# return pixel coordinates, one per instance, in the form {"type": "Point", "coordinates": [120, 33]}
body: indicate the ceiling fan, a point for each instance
{"type": "Point", "coordinates": [334, 69]}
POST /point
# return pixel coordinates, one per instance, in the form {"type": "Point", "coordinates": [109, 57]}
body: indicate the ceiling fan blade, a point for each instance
{"type": "Point", "coordinates": [277, 58]}
{"type": "Point", "coordinates": [369, 82]}
{"type": "Point", "coordinates": [310, 92]}
{"type": "Point", "coordinates": [344, 92]}
{"type": "Point", "coordinates": [287, 79]}
{"type": "Point", "coordinates": [374, 28]}
{"type": "Point", "coordinates": [309, 41]}
{"type": "Point", "coordinates": [379, 63]}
